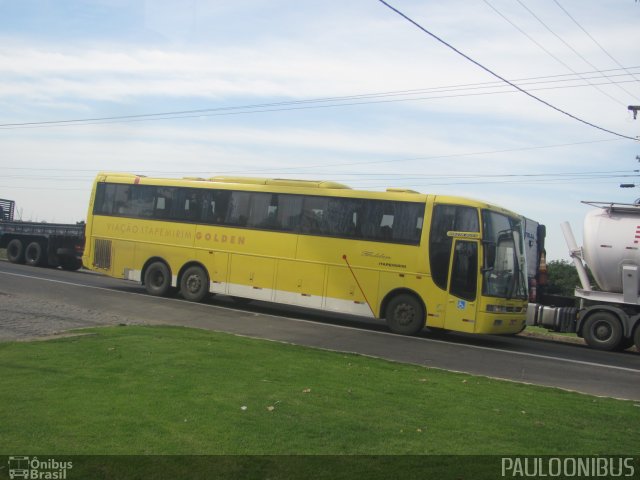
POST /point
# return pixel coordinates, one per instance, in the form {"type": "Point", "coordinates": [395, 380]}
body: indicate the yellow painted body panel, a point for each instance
{"type": "Point", "coordinates": [305, 281]}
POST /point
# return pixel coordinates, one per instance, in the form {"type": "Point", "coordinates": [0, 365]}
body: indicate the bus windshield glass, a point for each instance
{"type": "Point", "coordinates": [503, 273]}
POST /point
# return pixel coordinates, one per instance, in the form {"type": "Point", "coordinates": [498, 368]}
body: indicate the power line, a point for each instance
{"type": "Point", "coordinates": [420, 183]}
{"type": "Point", "coordinates": [281, 170]}
{"type": "Point", "coordinates": [360, 99]}
{"type": "Point", "coordinates": [544, 49]}
{"type": "Point", "coordinates": [557, 181]}
{"type": "Point", "coordinates": [594, 40]}
{"type": "Point", "coordinates": [573, 50]}
{"type": "Point", "coordinates": [409, 175]}
{"type": "Point", "coordinates": [486, 69]}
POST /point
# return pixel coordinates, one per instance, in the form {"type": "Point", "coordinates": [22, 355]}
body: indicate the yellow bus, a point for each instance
{"type": "Point", "coordinates": [412, 259]}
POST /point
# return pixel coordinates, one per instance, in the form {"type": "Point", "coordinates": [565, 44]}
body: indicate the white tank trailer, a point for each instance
{"type": "Point", "coordinates": [609, 314]}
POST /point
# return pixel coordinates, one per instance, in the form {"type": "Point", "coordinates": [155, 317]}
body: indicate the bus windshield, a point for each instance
{"type": "Point", "coordinates": [503, 272]}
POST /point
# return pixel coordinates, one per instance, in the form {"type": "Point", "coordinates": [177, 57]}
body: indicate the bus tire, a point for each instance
{"type": "Point", "coordinates": [35, 254]}
{"type": "Point", "coordinates": [603, 331]}
{"type": "Point", "coordinates": [157, 279]}
{"type": "Point", "coordinates": [194, 284]}
{"type": "Point", "coordinates": [15, 251]}
{"type": "Point", "coordinates": [405, 315]}
{"type": "Point", "coordinates": [636, 337]}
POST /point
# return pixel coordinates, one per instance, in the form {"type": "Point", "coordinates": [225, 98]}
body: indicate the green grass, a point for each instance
{"type": "Point", "coordinates": [170, 390]}
{"type": "Point", "coordinates": [543, 331]}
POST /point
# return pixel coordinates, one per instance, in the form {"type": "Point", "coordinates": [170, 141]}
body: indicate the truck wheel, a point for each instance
{"type": "Point", "coordinates": [15, 251]}
{"type": "Point", "coordinates": [70, 264]}
{"type": "Point", "coordinates": [626, 343]}
{"type": "Point", "coordinates": [405, 315]}
{"type": "Point", "coordinates": [194, 284]}
{"type": "Point", "coordinates": [157, 279]}
{"type": "Point", "coordinates": [603, 331]}
{"type": "Point", "coordinates": [636, 337]}
{"type": "Point", "coordinates": [35, 254]}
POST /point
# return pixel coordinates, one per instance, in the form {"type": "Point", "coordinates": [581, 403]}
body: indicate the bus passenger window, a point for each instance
{"type": "Point", "coordinates": [190, 203]}
{"type": "Point", "coordinates": [122, 199]}
{"type": "Point", "coordinates": [386, 227]}
{"type": "Point", "coordinates": [313, 215]}
{"type": "Point", "coordinates": [105, 196]}
{"type": "Point", "coordinates": [239, 209]}
{"type": "Point", "coordinates": [261, 211]}
{"type": "Point", "coordinates": [216, 203]}
{"type": "Point", "coordinates": [289, 212]}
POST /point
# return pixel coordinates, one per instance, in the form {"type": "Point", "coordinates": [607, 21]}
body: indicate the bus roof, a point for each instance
{"type": "Point", "coordinates": [280, 185]}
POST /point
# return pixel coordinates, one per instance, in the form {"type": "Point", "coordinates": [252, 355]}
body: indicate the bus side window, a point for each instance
{"type": "Point", "coordinates": [313, 214]}
{"type": "Point", "coordinates": [407, 222]}
{"type": "Point", "coordinates": [142, 201]}
{"type": "Point", "coordinates": [239, 209]}
{"type": "Point", "coordinates": [386, 227]}
{"type": "Point", "coordinates": [342, 217]}
{"type": "Point", "coordinates": [216, 203]}
{"type": "Point", "coordinates": [165, 201]}
{"type": "Point", "coordinates": [289, 212]}
{"type": "Point", "coordinates": [262, 211]}
{"type": "Point", "coordinates": [190, 204]}
{"type": "Point", "coordinates": [122, 199]}
{"type": "Point", "coordinates": [105, 196]}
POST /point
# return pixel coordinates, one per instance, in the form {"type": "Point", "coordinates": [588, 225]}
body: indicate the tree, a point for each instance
{"type": "Point", "coordinates": [563, 278]}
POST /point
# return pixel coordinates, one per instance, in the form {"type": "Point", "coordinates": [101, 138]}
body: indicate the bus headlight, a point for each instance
{"type": "Point", "coordinates": [504, 309]}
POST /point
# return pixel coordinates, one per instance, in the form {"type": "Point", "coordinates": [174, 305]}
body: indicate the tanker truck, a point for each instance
{"type": "Point", "coordinates": [608, 315]}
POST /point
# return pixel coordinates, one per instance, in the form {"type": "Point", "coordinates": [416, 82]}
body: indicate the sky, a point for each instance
{"type": "Point", "coordinates": [324, 89]}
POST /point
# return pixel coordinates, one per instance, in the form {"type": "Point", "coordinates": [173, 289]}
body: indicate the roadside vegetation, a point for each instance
{"type": "Point", "coordinates": [563, 278]}
{"type": "Point", "coordinates": [170, 390]}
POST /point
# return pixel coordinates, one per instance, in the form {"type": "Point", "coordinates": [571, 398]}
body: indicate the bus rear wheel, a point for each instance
{"type": "Point", "coordinates": [15, 251]}
{"type": "Point", "coordinates": [405, 315]}
{"type": "Point", "coordinates": [603, 331]}
{"type": "Point", "coordinates": [194, 284]}
{"type": "Point", "coordinates": [157, 279]}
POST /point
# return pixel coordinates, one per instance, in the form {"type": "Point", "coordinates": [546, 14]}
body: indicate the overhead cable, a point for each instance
{"type": "Point", "coordinates": [486, 69]}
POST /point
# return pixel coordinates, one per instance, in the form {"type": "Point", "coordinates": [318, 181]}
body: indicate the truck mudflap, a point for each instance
{"type": "Point", "coordinates": [557, 319]}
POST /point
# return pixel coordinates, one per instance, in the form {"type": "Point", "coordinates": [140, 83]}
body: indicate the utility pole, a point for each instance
{"type": "Point", "coordinates": [634, 109]}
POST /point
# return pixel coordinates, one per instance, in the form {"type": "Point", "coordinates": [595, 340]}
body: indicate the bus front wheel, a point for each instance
{"type": "Point", "coordinates": [405, 315]}
{"type": "Point", "coordinates": [194, 284]}
{"type": "Point", "coordinates": [157, 279]}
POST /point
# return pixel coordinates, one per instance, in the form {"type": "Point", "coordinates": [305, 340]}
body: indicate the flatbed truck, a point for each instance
{"type": "Point", "coordinates": [38, 243]}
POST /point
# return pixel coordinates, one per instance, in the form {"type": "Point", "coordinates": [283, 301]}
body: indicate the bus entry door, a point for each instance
{"type": "Point", "coordinates": [463, 287]}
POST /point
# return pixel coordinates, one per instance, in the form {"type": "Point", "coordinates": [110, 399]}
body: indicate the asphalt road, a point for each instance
{"type": "Point", "coordinates": [36, 302]}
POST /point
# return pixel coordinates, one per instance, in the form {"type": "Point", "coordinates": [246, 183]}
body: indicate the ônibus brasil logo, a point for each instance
{"type": "Point", "coordinates": [35, 469]}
